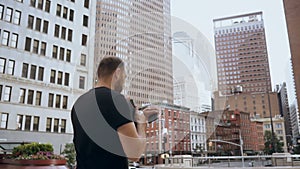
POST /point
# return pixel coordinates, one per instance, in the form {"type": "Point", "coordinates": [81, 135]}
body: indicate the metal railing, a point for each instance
{"type": "Point", "coordinates": [281, 159]}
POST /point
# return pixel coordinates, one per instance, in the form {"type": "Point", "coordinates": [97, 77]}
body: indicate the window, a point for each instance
{"type": "Point", "coordinates": [43, 48]}
{"type": "Point", "coordinates": [2, 65]}
{"type": "Point", "coordinates": [54, 51]}
{"type": "Point", "coordinates": [5, 38]}
{"type": "Point", "coordinates": [85, 20]}
{"type": "Point", "coordinates": [22, 95]}
{"type": "Point", "coordinates": [48, 125]}
{"type": "Point", "coordinates": [57, 101]}
{"type": "Point", "coordinates": [35, 46]}
{"type": "Point", "coordinates": [30, 22]}
{"type": "Point", "coordinates": [32, 2]}
{"type": "Point", "coordinates": [83, 39]}
{"type": "Point", "coordinates": [83, 60]}
{"type": "Point", "coordinates": [63, 126]}
{"type": "Point", "coordinates": [67, 77]}
{"type": "Point", "coordinates": [45, 27]}
{"type": "Point", "coordinates": [27, 122]}
{"type": "Point", "coordinates": [50, 100]}
{"type": "Point", "coordinates": [19, 122]}
{"type": "Point", "coordinates": [86, 3]}
{"type": "Point", "coordinates": [65, 13]}
{"type": "Point", "coordinates": [30, 97]}
{"type": "Point", "coordinates": [40, 4]}
{"type": "Point", "coordinates": [17, 17]}
{"type": "Point", "coordinates": [58, 10]}
{"type": "Point", "coordinates": [63, 33]}
{"type": "Point", "coordinates": [7, 93]}
{"type": "Point", "coordinates": [25, 70]}
{"type": "Point", "coordinates": [71, 15]}
{"type": "Point", "coordinates": [52, 76]}
{"type": "Point", "coordinates": [14, 40]}
{"type": "Point", "coordinates": [28, 44]}
{"type": "Point", "coordinates": [81, 82]}
{"type": "Point", "coordinates": [1, 11]}
{"type": "Point", "coordinates": [47, 6]}
{"type": "Point", "coordinates": [55, 128]}
{"type": "Point", "coordinates": [38, 98]}
{"type": "Point", "coordinates": [70, 34]}
{"type": "Point", "coordinates": [1, 91]}
{"type": "Point", "coordinates": [62, 53]}
{"type": "Point", "coordinates": [65, 102]}
{"type": "Point", "coordinates": [278, 125]}
{"type": "Point", "coordinates": [11, 67]}
{"type": "Point", "coordinates": [68, 57]}
{"type": "Point", "coordinates": [56, 30]}
{"type": "Point", "coordinates": [8, 15]}
{"type": "Point", "coordinates": [36, 121]}
{"type": "Point", "coordinates": [32, 72]}
{"type": "Point", "coordinates": [59, 77]}
{"type": "Point", "coordinates": [41, 74]}
{"type": "Point", "coordinates": [4, 120]}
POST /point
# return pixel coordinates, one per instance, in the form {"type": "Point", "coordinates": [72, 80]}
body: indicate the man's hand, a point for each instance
{"type": "Point", "coordinates": [143, 116]}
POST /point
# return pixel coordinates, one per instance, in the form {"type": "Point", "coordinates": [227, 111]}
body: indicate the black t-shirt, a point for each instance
{"type": "Point", "coordinates": [96, 117]}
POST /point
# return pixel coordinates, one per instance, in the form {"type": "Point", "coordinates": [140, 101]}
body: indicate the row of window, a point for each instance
{"type": "Point", "coordinates": [33, 97]}
{"type": "Point", "coordinates": [35, 72]}
{"type": "Point", "coordinates": [41, 4]}
{"type": "Point", "coordinates": [9, 39]}
{"type": "Point", "coordinates": [63, 34]}
{"type": "Point", "coordinates": [59, 100]}
{"type": "Point", "coordinates": [37, 47]}
{"type": "Point", "coordinates": [229, 30]}
{"type": "Point", "coordinates": [59, 80]}
{"type": "Point", "coordinates": [36, 24]}
{"type": "Point", "coordinates": [10, 15]}
{"type": "Point", "coordinates": [63, 12]}
{"type": "Point", "coordinates": [61, 53]}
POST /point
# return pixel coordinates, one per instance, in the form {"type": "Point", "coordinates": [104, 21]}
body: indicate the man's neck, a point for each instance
{"type": "Point", "coordinates": [103, 84]}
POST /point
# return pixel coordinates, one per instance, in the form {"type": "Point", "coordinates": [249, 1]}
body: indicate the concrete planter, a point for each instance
{"type": "Point", "coordinates": [32, 164]}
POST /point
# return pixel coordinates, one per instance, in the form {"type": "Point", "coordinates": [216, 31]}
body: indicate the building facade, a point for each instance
{"type": "Point", "coordinates": [241, 51]}
{"type": "Point", "coordinates": [285, 112]}
{"type": "Point", "coordinates": [279, 130]}
{"type": "Point", "coordinates": [198, 133]}
{"type": "Point", "coordinates": [169, 134]}
{"type": "Point", "coordinates": [291, 14]}
{"type": "Point", "coordinates": [139, 32]}
{"type": "Point", "coordinates": [257, 104]}
{"type": "Point", "coordinates": [46, 61]}
{"type": "Point", "coordinates": [236, 127]}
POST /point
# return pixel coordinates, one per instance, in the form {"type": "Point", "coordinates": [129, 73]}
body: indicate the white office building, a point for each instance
{"type": "Point", "coordinates": [46, 62]}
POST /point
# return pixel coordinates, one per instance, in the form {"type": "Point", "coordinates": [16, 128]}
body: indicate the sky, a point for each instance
{"type": "Point", "coordinates": [200, 13]}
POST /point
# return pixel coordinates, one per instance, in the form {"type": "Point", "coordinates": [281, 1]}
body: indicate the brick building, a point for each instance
{"type": "Point", "coordinates": [170, 134]}
{"type": "Point", "coordinates": [233, 126]}
{"type": "Point", "coordinates": [241, 51]}
{"type": "Point", "coordinates": [254, 103]}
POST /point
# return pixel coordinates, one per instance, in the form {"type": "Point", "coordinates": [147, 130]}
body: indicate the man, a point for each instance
{"type": "Point", "coordinates": [105, 135]}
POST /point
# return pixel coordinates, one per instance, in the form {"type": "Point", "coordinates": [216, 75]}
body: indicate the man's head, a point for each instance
{"type": "Point", "coordinates": [111, 70]}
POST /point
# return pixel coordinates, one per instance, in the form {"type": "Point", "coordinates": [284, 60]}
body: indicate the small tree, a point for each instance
{"type": "Point", "coordinates": [268, 143]}
{"type": "Point", "coordinates": [70, 154]}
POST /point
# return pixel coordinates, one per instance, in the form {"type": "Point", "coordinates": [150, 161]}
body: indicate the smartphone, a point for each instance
{"type": "Point", "coordinates": [152, 117]}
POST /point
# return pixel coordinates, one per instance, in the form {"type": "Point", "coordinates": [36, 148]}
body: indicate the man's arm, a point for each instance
{"type": "Point", "coordinates": [133, 139]}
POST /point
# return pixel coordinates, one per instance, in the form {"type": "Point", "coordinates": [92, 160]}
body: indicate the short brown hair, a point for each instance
{"type": "Point", "coordinates": [108, 66]}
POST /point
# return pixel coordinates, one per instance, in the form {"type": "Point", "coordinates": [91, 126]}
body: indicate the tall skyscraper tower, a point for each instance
{"type": "Point", "coordinates": [139, 32]}
{"type": "Point", "coordinates": [241, 50]}
{"type": "Point", "coordinates": [292, 13]}
{"type": "Point", "coordinates": [46, 61]}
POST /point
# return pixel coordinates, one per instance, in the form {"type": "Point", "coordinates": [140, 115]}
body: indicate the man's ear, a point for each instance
{"type": "Point", "coordinates": [117, 73]}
